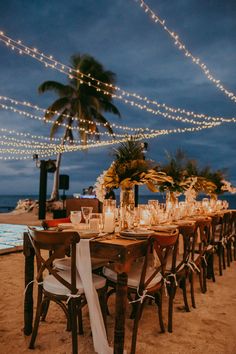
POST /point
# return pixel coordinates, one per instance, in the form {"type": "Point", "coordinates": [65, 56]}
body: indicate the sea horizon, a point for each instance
{"type": "Point", "coordinates": [9, 201]}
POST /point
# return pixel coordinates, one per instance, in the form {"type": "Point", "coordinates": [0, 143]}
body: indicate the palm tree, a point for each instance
{"type": "Point", "coordinates": [80, 104]}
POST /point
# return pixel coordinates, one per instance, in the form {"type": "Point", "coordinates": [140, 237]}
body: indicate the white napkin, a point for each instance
{"type": "Point", "coordinates": [84, 268]}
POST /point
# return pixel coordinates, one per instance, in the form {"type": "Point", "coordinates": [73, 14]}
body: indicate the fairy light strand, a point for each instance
{"type": "Point", "coordinates": [182, 47]}
{"type": "Point", "coordinates": [136, 137]}
{"type": "Point", "coordinates": [212, 121]}
{"type": "Point", "coordinates": [50, 62]}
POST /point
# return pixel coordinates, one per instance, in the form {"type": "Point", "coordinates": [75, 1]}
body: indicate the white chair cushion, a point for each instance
{"type": "Point", "coordinates": [62, 263]}
{"type": "Point", "coordinates": [133, 276]}
{"type": "Point", "coordinates": [52, 285]}
{"type": "Point", "coordinates": [65, 264]}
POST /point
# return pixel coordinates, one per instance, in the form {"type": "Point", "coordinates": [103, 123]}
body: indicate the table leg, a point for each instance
{"type": "Point", "coordinates": [29, 276]}
{"type": "Point", "coordinates": [121, 300]}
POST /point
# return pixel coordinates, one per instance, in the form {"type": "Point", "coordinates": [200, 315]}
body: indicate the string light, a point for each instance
{"type": "Point", "coordinates": [50, 62]}
{"type": "Point", "coordinates": [67, 126]}
{"type": "Point", "coordinates": [182, 47]}
{"type": "Point", "coordinates": [33, 106]}
{"type": "Point", "coordinates": [211, 120]}
{"type": "Point", "coordinates": [106, 143]}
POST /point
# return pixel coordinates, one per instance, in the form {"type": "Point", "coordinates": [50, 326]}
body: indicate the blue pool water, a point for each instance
{"type": "Point", "coordinates": [11, 235]}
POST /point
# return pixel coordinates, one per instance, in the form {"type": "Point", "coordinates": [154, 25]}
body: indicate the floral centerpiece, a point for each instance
{"type": "Point", "coordinates": [227, 187]}
{"type": "Point", "coordinates": [186, 177]}
{"type": "Point", "coordinates": [130, 168]}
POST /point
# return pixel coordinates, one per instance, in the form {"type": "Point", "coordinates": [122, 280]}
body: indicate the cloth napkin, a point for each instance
{"type": "Point", "coordinates": [84, 268]}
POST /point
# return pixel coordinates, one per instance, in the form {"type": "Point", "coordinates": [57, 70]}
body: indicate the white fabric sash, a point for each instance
{"type": "Point", "coordinates": [84, 268]}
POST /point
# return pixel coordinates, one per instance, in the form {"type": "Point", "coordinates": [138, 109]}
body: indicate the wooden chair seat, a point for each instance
{"type": "Point", "coordinates": [64, 263]}
{"type": "Point", "coordinates": [52, 285]}
{"type": "Point", "coordinates": [134, 276]}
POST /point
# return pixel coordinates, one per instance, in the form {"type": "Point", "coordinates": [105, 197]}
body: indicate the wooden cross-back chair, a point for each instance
{"type": "Point", "coordinates": [146, 278]}
{"type": "Point", "coordinates": [201, 241]}
{"type": "Point", "coordinates": [64, 287]}
{"type": "Point", "coordinates": [56, 244]}
{"type": "Point", "coordinates": [179, 268]}
{"type": "Point", "coordinates": [221, 240]}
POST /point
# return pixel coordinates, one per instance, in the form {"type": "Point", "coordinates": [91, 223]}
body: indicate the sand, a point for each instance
{"type": "Point", "coordinates": [210, 328]}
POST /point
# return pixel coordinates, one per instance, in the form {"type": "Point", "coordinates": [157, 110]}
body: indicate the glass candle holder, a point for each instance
{"type": "Point", "coordinates": [109, 212]}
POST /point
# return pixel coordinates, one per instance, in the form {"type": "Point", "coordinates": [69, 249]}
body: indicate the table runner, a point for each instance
{"type": "Point", "coordinates": [83, 260]}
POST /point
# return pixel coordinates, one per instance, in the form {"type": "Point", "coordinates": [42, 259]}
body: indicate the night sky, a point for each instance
{"type": "Point", "coordinates": [125, 40]}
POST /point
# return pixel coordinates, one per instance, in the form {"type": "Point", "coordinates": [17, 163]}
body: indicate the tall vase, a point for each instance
{"type": "Point", "coordinates": [127, 209]}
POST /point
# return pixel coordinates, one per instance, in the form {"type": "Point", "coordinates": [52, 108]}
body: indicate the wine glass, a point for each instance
{"type": "Point", "coordinates": [86, 211]}
{"type": "Point", "coordinates": [75, 217]}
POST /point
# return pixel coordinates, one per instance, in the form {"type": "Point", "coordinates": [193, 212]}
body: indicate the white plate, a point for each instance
{"type": "Point", "coordinates": [166, 227]}
{"type": "Point", "coordinates": [137, 233]}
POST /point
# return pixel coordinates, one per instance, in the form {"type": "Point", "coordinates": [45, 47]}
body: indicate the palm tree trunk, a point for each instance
{"type": "Point", "coordinates": [55, 188]}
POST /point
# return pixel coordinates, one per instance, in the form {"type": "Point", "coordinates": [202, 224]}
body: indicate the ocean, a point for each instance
{"type": "Point", "coordinates": [9, 202]}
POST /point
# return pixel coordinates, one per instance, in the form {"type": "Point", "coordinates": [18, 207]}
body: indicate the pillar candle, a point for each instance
{"type": "Point", "coordinates": [109, 221]}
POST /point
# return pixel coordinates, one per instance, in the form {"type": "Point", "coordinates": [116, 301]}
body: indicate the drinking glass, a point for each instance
{"type": "Point", "coordinates": [86, 211]}
{"type": "Point", "coordinates": [75, 217]}
{"type": "Point", "coordinates": [225, 204]}
{"type": "Point", "coordinates": [95, 222]}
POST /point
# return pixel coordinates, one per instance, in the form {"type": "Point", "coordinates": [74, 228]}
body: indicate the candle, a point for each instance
{"type": "Point", "coordinates": [145, 217]}
{"type": "Point", "coordinates": [109, 221]}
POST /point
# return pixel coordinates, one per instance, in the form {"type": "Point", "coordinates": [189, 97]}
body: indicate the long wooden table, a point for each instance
{"type": "Point", "coordinates": [120, 252]}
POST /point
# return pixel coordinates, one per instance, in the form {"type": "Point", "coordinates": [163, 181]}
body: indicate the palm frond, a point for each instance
{"type": "Point", "coordinates": [57, 106]}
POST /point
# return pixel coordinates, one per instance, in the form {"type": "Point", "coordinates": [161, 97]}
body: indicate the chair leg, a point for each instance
{"type": "Point", "coordinates": [231, 249]}
{"type": "Point", "coordinates": [228, 252]}
{"type": "Point", "coordinates": [184, 290]}
{"type": "Point", "coordinates": [172, 292]}
{"type": "Point", "coordinates": [234, 243]}
{"type": "Point", "coordinates": [223, 257]}
{"type": "Point", "coordinates": [219, 251]}
{"type": "Point", "coordinates": [103, 304]}
{"type": "Point", "coordinates": [135, 328]}
{"type": "Point", "coordinates": [158, 301]}
{"type": "Point", "coordinates": [45, 307]}
{"type": "Point", "coordinates": [201, 278]}
{"type": "Point", "coordinates": [191, 278]}
{"type": "Point", "coordinates": [212, 258]}
{"type": "Point", "coordinates": [73, 316]}
{"type": "Point", "coordinates": [204, 277]}
{"type": "Point", "coordinates": [37, 317]}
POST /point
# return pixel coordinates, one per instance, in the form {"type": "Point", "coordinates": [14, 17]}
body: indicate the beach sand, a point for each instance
{"type": "Point", "coordinates": [208, 328]}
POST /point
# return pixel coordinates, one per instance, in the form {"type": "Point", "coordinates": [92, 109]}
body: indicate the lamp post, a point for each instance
{"type": "Point", "coordinates": [46, 166]}
{"type": "Point", "coordinates": [136, 188]}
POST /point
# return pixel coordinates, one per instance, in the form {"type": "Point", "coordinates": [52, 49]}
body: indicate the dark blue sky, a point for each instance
{"type": "Point", "coordinates": [126, 41]}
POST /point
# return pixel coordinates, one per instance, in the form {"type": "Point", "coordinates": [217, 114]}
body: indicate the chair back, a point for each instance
{"type": "Point", "coordinates": [187, 232]}
{"type": "Point", "coordinates": [202, 236]}
{"type": "Point", "coordinates": [57, 243]}
{"type": "Point", "coordinates": [227, 224]}
{"type": "Point", "coordinates": [160, 246]}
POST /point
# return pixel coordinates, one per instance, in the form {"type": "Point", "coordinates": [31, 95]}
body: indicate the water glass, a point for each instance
{"type": "Point", "coordinates": [95, 222]}
{"type": "Point", "coordinates": [75, 217]}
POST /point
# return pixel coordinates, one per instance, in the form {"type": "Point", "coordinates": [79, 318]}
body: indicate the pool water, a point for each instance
{"type": "Point", "coordinates": [11, 236]}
